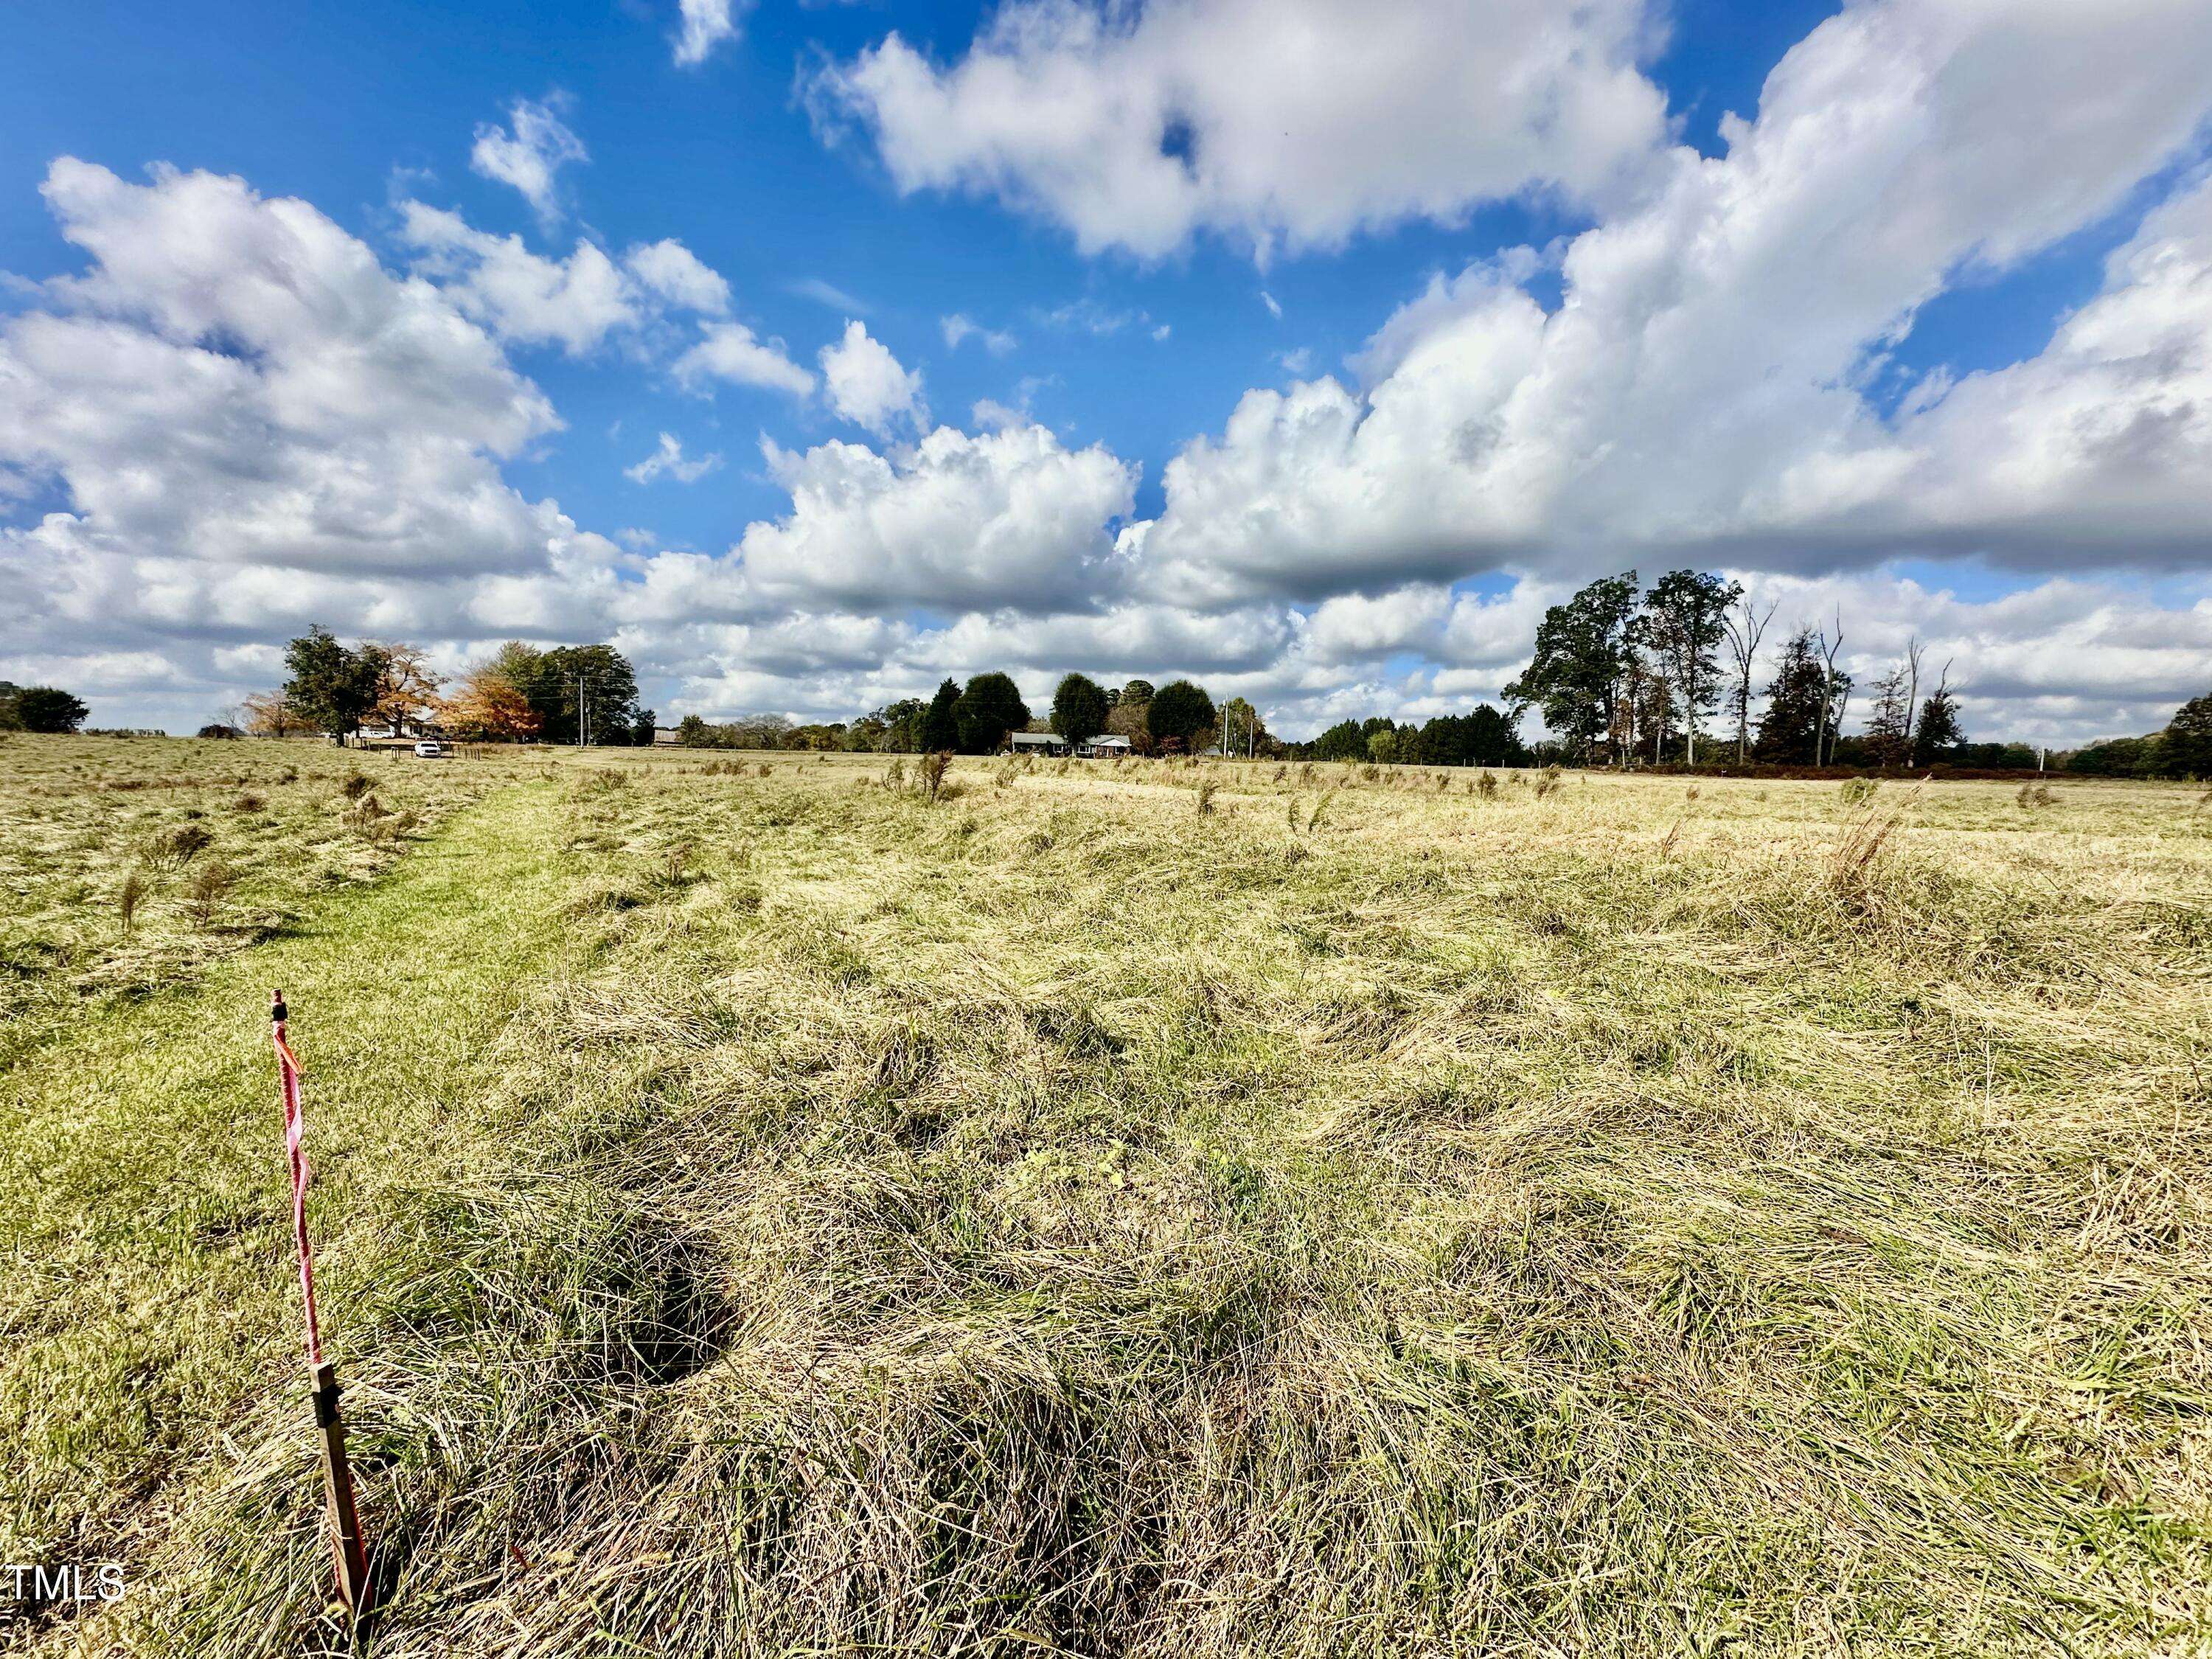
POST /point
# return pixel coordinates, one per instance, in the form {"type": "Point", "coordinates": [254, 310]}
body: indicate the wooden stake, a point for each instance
{"type": "Point", "coordinates": [351, 1559]}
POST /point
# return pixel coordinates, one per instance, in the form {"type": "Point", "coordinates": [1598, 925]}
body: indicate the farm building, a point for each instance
{"type": "Point", "coordinates": [1107, 746]}
{"type": "Point", "coordinates": [1035, 742]}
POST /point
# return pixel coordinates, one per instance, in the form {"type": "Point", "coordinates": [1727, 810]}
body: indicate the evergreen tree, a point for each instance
{"type": "Point", "coordinates": [1797, 705]}
{"type": "Point", "coordinates": [1939, 730]}
{"type": "Point", "coordinates": [941, 726]}
{"type": "Point", "coordinates": [575, 692]}
{"type": "Point", "coordinates": [1341, 742]}
{"type": "Point", "coordinates": [1180, 713]}
{"type": "Point", "coordinates": [1078, 709]}
{"type": "Point", "coordinates": [329, 686]}
{"type": "Point", "coordinates": [48, 708]}
{"type": "Point", "coordinates": [989, 709]}
{"type": "Point", "coordinates": [1889, 727]}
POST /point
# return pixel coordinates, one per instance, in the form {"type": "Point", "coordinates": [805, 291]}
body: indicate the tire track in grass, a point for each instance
{"type": "Point", "coordinates": [146, 1280]}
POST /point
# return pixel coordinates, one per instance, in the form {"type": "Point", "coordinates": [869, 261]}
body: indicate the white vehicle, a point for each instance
{"type": "Point", "coordinates": [430, 748]}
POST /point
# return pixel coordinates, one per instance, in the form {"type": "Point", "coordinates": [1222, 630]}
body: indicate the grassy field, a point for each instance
{"type": "Point", "coordinates": [1114, 1209]}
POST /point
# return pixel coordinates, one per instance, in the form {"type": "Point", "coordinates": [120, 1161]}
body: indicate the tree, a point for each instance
{"type": "Point", "coordinates": [1939, 730]}
{"type": "Point", "coordinates": [1653, 714]}
{"type": "Point", "coordinates": [267, 714]}
{"type": "Point", "coordinates": [1342, 742]}
{"type": "Point", "coordinates": [897, 726]}
{"type": "Point", "coordinates": [1583, 649]}
{"type": "Point", "coordinates": [989, 709]}
{"type": "Point", "coordinates": [1889, 727]}
{"type": "Point", "coordinates": [1078, 709]}
{"type": "Point", "coordinates": [579, 693]}
{"type": "Point", "coordinates": [1242, 732]}
{"type": "Point", "coordinates": [1492, 739]}
{"type": "Point", "coordinates": [48, 708]}
{"type": "Point", "coordinates": [491, 707]}
{"type": "Point", "coordinates": [1686, 616]}
{"type": "Point", "coordinates": [329, 686]}
{"type": "Point", "coordinates": [1789, 730]}
{"type": "Point", "coordinates": [1746, 626]}
{"type": "Point", "coordinates": [1835, 691]}
{"type": "Point", "coordinates": [1382, 748]}
{"type": "Point", "coordinates": [940, 726]}
{"type": "Point", "coordinates": [1179, 713]}
{"type": "Point", "coordinates": [2121, 757]}
{"type": "Point", "coordinates": [2187, 741]}
{"type": "Point", "coordinates": [406, 692]}
{"type": "Point", "coordinates": [9, 721]}
{"type": "Point", "coordinates": [1138, 692]}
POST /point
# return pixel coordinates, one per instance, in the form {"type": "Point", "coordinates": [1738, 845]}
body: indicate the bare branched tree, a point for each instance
{"type": "Point", "coordinates": [1747, 625]}
{"type": "Point", "coordinates": [1839, 697]}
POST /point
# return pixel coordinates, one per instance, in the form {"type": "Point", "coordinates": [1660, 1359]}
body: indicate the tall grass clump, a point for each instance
{"type": "Point", "coordinates": [130, 895]}
{"type": "Point", "coordinates": [932, 770]}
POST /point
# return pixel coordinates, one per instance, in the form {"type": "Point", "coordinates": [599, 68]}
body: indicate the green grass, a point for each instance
{"type": "Point", "coordinates": [775, 1214]}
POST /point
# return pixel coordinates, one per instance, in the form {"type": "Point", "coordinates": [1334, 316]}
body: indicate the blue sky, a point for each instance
{"type": "Point", "coordinates": [1811, 329]}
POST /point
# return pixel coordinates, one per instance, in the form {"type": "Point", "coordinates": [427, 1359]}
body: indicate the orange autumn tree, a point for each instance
{"type": "Point", "coordinates": [267, 714]}
{"type": "Point", "coordinates": [488, 707]}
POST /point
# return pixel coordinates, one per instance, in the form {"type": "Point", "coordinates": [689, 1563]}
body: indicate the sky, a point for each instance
{"type": "Point", "coordinates": [812, 353]}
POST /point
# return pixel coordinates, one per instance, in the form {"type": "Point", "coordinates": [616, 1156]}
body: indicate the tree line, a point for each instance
{"type": "Point", "coordinates": [566, 694]}
{"type": "Point", "coordinates": [979, 718]}
{"type": "Point", "coordinates": [1623, 674]}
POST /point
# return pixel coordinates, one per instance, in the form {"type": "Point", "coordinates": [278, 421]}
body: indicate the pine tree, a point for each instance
{"type": "Point", "coordinates": [1797, 705]}
{"type": "Point", "coordinates": [940, 726]}
{"type": "Point", "coordinates": [1889, 727]}
{"type": "Point", "coordinates": [1939, 726]}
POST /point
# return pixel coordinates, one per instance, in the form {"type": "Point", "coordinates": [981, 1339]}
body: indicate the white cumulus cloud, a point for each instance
{"type": "Point", "coordinates": [867, 385]}
{"type": "Point", "coordinates": [732, 352]}
{"type": "Point", "coordinates": [1297, 122]}
{"type": "Point", "coordinates": [1704, 389]}
{"type": "Point", "coordinates": [994, 521]}
{"type": "Point", "coordinates": [529, 153]}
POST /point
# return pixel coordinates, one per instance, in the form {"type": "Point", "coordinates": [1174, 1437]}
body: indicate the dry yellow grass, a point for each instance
{"type": "Point", "coordinates": [1162, 1209]}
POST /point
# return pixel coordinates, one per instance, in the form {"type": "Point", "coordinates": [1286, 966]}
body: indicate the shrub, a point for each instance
{"type": "Point", "coordinates": [174, 848]}
{"type": "Point", "coordinates": [1548, 782]}
{"type": "Point", "coordinates": [1855, 790]}
{"type": "Point", "coordinates": [357, 785]}
{"type": "Point", "coordinates": [1205, 788]}
{"type": "Point", "coordinates": [932, 769]}
{"type": "Point", "coordinates": [2035, 795]}
{"type": "Point", "coordinates": [210, 884]}
{"type": "Point", "coordinates": [1486, 786]}
{"type": "Point", "coordinates": [131, 895]}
